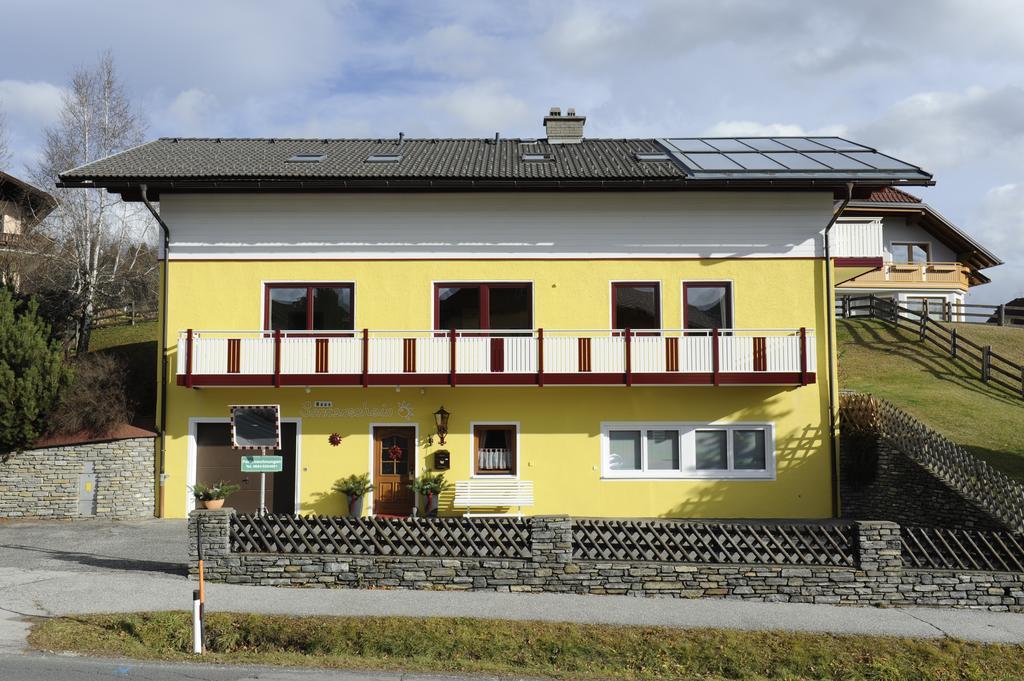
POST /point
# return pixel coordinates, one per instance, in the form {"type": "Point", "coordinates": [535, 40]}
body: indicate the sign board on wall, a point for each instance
{"type": "Point", "coordinates": [256, 426]}
{"type": "Point", "coordinates": [262, 464]}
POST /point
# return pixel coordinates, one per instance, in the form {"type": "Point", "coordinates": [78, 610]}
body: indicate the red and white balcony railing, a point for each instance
{"type": "Point", "coordinates": [495, 357]}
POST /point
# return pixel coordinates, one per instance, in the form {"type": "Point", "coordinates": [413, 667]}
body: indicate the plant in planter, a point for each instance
{"type": "Point", "coordinates": [355, 487]}
{"type": "Point", "coordinates": [430, 486]}
{"type": "Point", "coordinates": [213, 495]}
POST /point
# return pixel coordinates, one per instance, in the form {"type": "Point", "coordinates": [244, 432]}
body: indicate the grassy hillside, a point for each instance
{"type": "Point", "coordinates": [136, 347]}
{"type": "Point", "coordinates": [948, 396]}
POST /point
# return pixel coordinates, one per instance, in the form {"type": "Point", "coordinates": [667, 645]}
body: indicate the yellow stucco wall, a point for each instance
{"type": "Point", "coordinates": [559, 426]}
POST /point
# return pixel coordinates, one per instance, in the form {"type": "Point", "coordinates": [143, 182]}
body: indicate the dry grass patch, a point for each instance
{"type": "Point", "coordinates": [556, 650]}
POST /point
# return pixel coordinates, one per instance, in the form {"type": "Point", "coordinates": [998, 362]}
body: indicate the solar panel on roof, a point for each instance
{"type": "Point", "coordinates": [877, 160]}
{"type": "Point", "coordinates": [723, 144]}
{"type": "Point", "coordinates": [839, 144]}
{"type": "Point", "coordinates": [711, 162]}
{"type": "Point", "coordinates": [763, 144]}
{"type": "Point", "coordinates": [801, 144]}
{"type": "Point", "coordinates": [795, 161]}
{"type": "Point", "coordinates": [690, 144]}
{"type": "Point", "coordinates": [756, 161]}
{"type": "Point", "coordinates": [837, 161]}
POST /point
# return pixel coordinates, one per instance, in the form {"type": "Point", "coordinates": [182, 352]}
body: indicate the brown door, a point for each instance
{"type": "Point", "coordinates": [393, 450]}
{"type": "Point", "coordinates": [216, 460]}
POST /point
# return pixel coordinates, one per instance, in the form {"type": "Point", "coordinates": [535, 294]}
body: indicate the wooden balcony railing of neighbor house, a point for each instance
{"type": "Point", "coordinates": [929, 275]}
{"type": "Point", "coordinates": [514, 357]}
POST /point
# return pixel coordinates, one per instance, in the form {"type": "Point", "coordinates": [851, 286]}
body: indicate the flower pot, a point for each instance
{"type": "Point", "coordinates": [430, 510]}
{"type": "Point", "coordinates": [213, 504]}
{"type": "Point", "coordinates": [355, 507]}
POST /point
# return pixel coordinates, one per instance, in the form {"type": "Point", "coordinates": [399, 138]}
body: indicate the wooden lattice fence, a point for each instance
{"type": "Point", "coordinates": [426, 537]}
{"type": "Point", "coordinates": [946, 549]}
{"type": "Point", "coordinates": [972, 478]}
{"type": "Point", "coordinates": [714, 542]}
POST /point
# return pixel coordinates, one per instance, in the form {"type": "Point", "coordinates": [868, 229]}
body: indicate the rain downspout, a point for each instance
{"type": "Point", "coordinates": [161, 428]}
{"type": "Point", "coordinates": [830, 344]}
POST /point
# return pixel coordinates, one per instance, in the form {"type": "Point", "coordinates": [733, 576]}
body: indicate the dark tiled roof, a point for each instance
{"type": "Point", "coordinates": [38, 202]}
{"type": "Point", "coordinates": [891, 195]}
{"type": "Point", "coordinates": [346, 158]}
{"type": "Point", "coordinates": [230, 163]}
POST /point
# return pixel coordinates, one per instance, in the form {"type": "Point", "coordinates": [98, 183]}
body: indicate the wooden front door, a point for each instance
{"type": "Point", "coordinates": [394, 448]}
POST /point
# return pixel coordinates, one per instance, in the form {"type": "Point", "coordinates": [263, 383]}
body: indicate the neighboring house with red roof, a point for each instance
{"type": "Point", "coordinates": [927, 260]}
{"type": "Point", "coordinates": [22, 207]}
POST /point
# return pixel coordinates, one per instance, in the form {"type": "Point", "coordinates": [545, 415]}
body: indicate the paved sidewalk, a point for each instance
{"type": "Point", "coordinates": [45, 592]}
{"type": "Point", "coordinates": [138, 567]}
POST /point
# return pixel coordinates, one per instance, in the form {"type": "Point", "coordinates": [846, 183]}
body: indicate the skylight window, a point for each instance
{"type": "Point", "coordinates": [645, 156]}
{"type": "Point", "coordinates": [306, 158]}
{"type": "Point", "coordinates": [537, 158]}
{"type": "Point", "coordinates": [383, 158]}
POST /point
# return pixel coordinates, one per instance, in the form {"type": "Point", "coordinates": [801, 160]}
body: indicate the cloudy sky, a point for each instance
{"type": "Point", "coordinates": [937, 82]}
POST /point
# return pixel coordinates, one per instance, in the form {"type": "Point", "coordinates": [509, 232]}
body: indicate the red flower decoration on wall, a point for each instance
{"type": "Point", "coordinates": [334, 439]}
{"type": "Point", "coordinates": [395, 453]}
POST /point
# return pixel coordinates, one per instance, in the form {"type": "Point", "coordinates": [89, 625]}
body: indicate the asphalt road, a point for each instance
{"type": "Point", "coordinates": [59, 668]}
{"type": "Point", "coordinates": [49, 569]}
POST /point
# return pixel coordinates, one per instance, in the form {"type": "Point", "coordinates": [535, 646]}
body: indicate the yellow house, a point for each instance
{"type": "Point", "coordinates": [597, 327]}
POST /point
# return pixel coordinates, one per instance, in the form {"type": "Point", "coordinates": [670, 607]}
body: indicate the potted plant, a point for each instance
{"type": "Point", "coordinates": [430, 486]}
{"type": "Point", "coordinates": [354, 487]}
{"type": "Point", "coordinates": [213, 496]}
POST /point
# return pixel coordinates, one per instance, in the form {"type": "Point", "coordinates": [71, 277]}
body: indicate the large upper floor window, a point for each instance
{"type": "Point", "coordinates": [483, 306]}
{"type": "Point", "coordinates": [686, 450]}
{"type": "Point", "coordinates": [707, 305]}
{"type": "Point", "coordinates": [313, 307]}
{"type": "Point", "coordinates": [636, 305]}
{"type": "Point", "coordinates": [911, 253]}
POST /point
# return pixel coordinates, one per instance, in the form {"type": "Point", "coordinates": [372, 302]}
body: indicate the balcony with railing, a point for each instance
{"type": "Point", "coordinates": [907, 275]}
{"type": "Point", "coordinates": [515, 357]}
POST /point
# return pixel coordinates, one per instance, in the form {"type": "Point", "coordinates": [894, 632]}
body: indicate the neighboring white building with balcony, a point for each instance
{"type": "Point", "coordinates": [926, 260]}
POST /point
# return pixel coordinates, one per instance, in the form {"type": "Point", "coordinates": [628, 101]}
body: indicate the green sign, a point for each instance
{"type": "Point", "coordinates": [262, 464]}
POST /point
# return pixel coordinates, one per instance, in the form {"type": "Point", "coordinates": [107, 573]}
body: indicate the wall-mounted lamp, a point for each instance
{"type": "Point", "coordinates": [441, 423]}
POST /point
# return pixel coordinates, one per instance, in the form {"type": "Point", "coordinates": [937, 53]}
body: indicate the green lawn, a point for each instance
{"type": "Point", "coordinates": [893, 364]}
{"type": "Point", "coordinates": [506, 648]}
{"type": "Point", "coordinates": [1007, 341]}
{"type": "Point", "coordinates": [113, 336]}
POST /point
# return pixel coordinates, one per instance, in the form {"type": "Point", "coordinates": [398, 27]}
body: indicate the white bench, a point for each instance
{"type": "Point", "coordinates": [493, 494]}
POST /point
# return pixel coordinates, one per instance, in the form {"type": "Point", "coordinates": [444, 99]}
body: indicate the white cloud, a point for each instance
{"type": "Point", "coordinates": [37, 102]}
{"type": "Point", "coordinates": [999, 226]}
{"type": "Point", "coordinates": [193, 113]}
{"type": "Point", "coordinates": [941, 129]}
{"type": "Point", "coordinates": [484, 107]}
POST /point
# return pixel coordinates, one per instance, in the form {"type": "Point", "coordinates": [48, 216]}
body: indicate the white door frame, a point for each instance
{"type": "Point", "coordinates": [190, 470]}
{"type": "Point", "coordinates": [415, 460]}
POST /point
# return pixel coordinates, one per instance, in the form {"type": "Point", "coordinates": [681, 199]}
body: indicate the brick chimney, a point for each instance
{"type": "Point", "coordinates": [567, 129]}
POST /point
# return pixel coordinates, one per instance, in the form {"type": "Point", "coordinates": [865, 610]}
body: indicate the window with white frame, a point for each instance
{"type": "Point", "coordinates": [687, 450]}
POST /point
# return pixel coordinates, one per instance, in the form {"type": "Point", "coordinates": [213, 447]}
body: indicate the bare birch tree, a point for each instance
{"type": "Point", "coordinates": [99, 240]}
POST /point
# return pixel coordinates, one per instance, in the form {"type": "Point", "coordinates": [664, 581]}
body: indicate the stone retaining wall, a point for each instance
{"type": "Point", "coordinates": [877, 579]}
{"type": "Point", "coordinates": [886, 484]}
{"type": "Point", "coordinates": [45, 483]}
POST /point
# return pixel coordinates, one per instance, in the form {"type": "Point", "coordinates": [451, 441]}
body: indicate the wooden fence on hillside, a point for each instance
{"type": "Point", "coordinates": [990, 366]}
{"type": "Point", "coordinates": [962, 313]}
{"type": "Point", "coordinates": [129, 315]}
